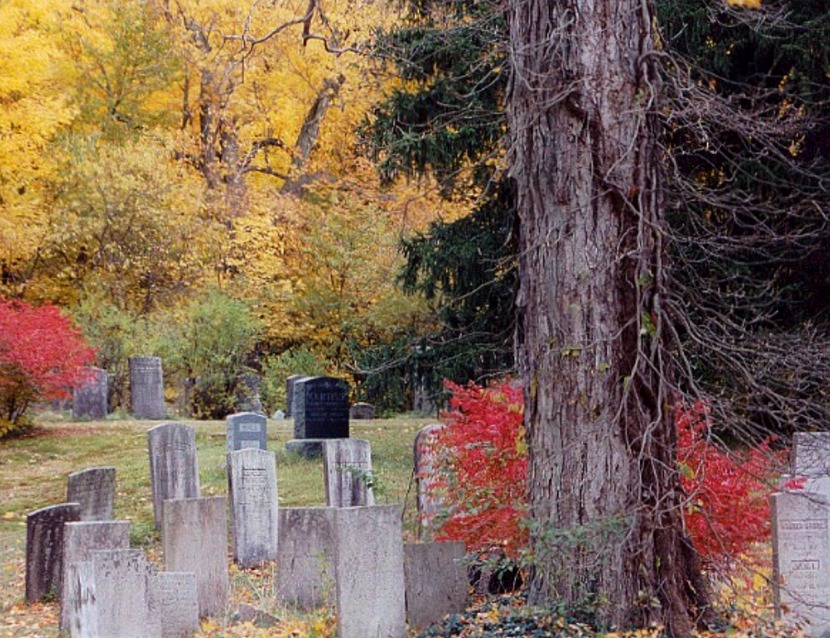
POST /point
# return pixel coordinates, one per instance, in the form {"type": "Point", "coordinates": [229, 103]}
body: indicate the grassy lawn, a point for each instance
{"type": "Point", "coordinates": [33, 473]}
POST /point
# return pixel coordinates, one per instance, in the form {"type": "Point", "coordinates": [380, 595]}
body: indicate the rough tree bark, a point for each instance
{"type": "Point", "coordinates": [604, 489]}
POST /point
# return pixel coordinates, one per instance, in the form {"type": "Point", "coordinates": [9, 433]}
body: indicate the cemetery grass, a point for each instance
{"type": "Point", "coordinates": [34, 468]}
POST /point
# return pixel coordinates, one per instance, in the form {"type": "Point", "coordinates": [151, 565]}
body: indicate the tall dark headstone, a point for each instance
{"type": "Point", "coordinates": [321, 408]}
{"type": "Point", "coordinates": [246, 430]}
{"type": "Point", "coordinates": [89, 400]}
{"type": "Point", "coordinates": [174, 468]}
{"type": "Point", "coordinates": [94, 490]}
{"type": "Point", "coordinates": [147, 388]}
{"type": "Point", "coordinates": [44, 549]}
{"type": "Point", "coordinates": [289, 393]}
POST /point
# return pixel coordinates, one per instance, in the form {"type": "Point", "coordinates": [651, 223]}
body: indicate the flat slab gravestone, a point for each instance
{"type": "Point", "coordinates": [247, 430]}
{"type": "Point", "coordinates": [44, 549]}
{"type": "Point", "coordinates": [801, 559]}
{"type": "Point", "coordinates": [305, 557]}
{"type": "Point", "coordinates": [195, 539]}
{"type": "Point", "coordinates": [89, 400]}
{"type": "Point", "coordinates": [436, 581]}
{"type": "Point", "coordinates": [347, 472]}
{"type": "Point", "coordinates": [94, 489]}
{"type": "Point", "coordinates": [811, 454]}
{"type": "Point", "coordinates": [174, 468]}
{"type": "Point", "coordinates": [289, 393]}
{"type": "Point", "coordinates": [178, 603]}
{"type": "Point", "coordinates": [253, 496]}
{"type": "Point", "coordinates": [147, 388]}
{"type": "Point", "coordinates": [124, 605]}
{"type": "Point", "coordinates": [429, 498]}
{"type": "Point", "coordinates": [360, 411]}
{"type": "Point", "coordinates": [369, 577]}
{"type": "Point", "coordinates": [80, 540]}
{"type": "Point", "coordinates": [321, 408]}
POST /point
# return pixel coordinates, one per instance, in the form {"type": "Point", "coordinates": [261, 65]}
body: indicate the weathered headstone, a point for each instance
{"type": "Point", "coordinates": [94, 489]}
{"type": "Point", "coordinates": [253, 495]}
{"type": "Point", "coordinates": [124, 605]}
{"type": "Point", "coordinates": [174, 468]}
{"type": "Point", "coordinates": [247, 430]}
{"type": "Point", "coordinates": [369, 578]}
{"type": "Point", "coordinates": [83, 613]}
{"type": "Point", "coordinates": [436, 581]}
{"type": "Point", "coordinates": [289, 393]}
{"type": "Point", "coordinates": [195, 539]}
{"type": "Point", "coordinates": [305, 556]}
{"type": "Point", "coordinates": [147, 388]}
{"type": "Point", "coordinates": [361, 411]}
{"type": "Point", "coordinates": [247, 394]}
{"type": "Point", "coordinates": [89, 400]}
{"type": "Point", "coordinates": [321, 408]}
{"type": "Point", "coordinates": [801, 560]}
{"type": "Point", "coordinates": [80, 540]}
{"type": "Point", "coordinates": [429, 498]}
{"type": "Point", "coordinates": [44, 549]}
{"type": "Point", "coordinates": [811, 454]}
{"type": "Point", "coordinates": [347, 470]}
{"type": "Point", "coordinates": [178, 603]}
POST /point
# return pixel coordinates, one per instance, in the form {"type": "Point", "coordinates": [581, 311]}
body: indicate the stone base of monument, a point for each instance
{"type": "Point", "coordinates": [309, 448]}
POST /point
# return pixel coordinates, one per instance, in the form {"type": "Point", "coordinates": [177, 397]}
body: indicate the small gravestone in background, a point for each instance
{"type": "Point", "coordinates": [178, 604]}
{"type": "Point", "coordinates": [147, 388]}
{"type": "Point", "coordinates": [368, 568]}
{"type": "Point", "coordinates": [195, 539]}
{"type": "Point", "coordinates": [321, 411]}
{"type": "Point", "coordinates": [94, 490]}
{"type": "Point", "coordinates": [89, 400]}
{"type": "Point", "coordinates": [362, 411]}
{"type": "Point", "coordinates": [80, 540]}
{"type": "Point", "coordinates": [289, 393]}
{"type": "Point", "coordinates": [123, 594]}
{"type": "Point", "coordinates": [429, 500]}
{"type": "Point", "coordinates": [247, 394]}
{"type": "Point", "coordinates": [436, 581]}
{"type": "Point", "coordinates": [44, 549]}
{"type": "Point", "coordinates": [174, 468]}
{"type": "Point", "coordinates": [347, 471]}
{"type": "Point", "coordinates": [246, 430]}
{"type": "Point", "coordinates": [253, 494]}
{"type": "Point", "coordinates": [305, 556]}
{"type": "Point", "coordinates": [811, 454]}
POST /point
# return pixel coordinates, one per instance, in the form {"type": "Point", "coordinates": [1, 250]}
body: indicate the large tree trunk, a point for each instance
{"type": "Point", "coordinates": [604, 489]}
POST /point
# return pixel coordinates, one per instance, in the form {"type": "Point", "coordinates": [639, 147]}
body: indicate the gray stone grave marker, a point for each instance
{"type": "Point", "coordinates": [361, 411]}
{"type": "Point", "coordinates": [811, 454]}
{"type": "Point", "coordinates": [436, 581]}
{"type": "Point", "coordinates": [195, 539]}
{"type": "Point", "coordinates": [347, 471]}
{"type": "Point", "coordinates": [83, 614]}
{"type": "Point", "coordinates": [89, 400]}
{"type": "Point", "coordinates": [801, 560]}
{"type": "Point", "coordinates": [253, 496]}
{"type": "Point", "coordinates": [178, 603]}
{"type": "Point", "coordinates": [429, 500]}
{"type": "Point", "coordinates": [147, 388]}
{"type": "Point", "coordinates": [289, 393]}
{"type": "Point", "coordinates": [94, 489]}
{"type": "Point", "coordinates": [305, 558]}
{"type": "Point", "coordinates": [369, 578]}
{"type": "Point", "coordinates": [44, 549]}
{"type": "Point", "coordinates": [124, 605]}
{"type": "Point", "coordinates": [174, 468]}
{"type": "Point", "coordinates": [80, 540]}
{"type": "Point", "coordinates": [246, 430]}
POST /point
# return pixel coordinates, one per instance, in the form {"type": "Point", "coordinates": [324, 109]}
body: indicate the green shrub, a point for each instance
{"type": "Point", "coordinates": [277, 368]}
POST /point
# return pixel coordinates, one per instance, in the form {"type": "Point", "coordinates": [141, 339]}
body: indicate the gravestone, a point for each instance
{"type": "Point", "coordinates": [436, 581]}
{"type": "Point", "coordinates": [147, 388]}
{"type": "Point", "coordinates": [44, 549]}
{"type": "Point", "coordinates": [124, 604]}
{"type": "Point", "coordinates": [247, 394]}
{"type": "Point", "coordinates": [246, 430]}
{"type": "Point", "coordinates": [811, 454]}
{"type": "Point", "coordinates": [801, 560]}
{"type": "Point", "coordinates": [347, 472]}
{"type": "Point", "coordinates": [94, 490]}
{"type": "Point", "coordinates": [178, 604]}
{"type": "Point", "coordinates": [195, 539]}
{"type": "Point", "coordinates": [174, 468]}
{"type": "Point", "coordinates": [305, 558]}
{"type": "Point", "coordinates": [361, 411]}
{"type": "Point", "coordinates": [368, 568]}
{"type": "Point", "coordinates": [253, 495]}
{"type": "Point", "coordinates": [289, 393]}
{"type": "Point", "coordinates": [321, 411]}
{"type": "Point", "coordinates": [80, 540]}
{"type": "Point", "coordinates": [89, 400]}
{"type": "Point", "coordinates": [429, 499]}
{"type": "Point", "coordinates": [82, 615]}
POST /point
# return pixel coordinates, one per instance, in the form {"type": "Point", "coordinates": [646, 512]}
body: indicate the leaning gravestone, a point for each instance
{"type": "Point", "coordinates": [80, 540]}
{"type": "Point", "coordinates": [436, 581]}
{"type": "Point", "coordinates": [89, 400]}
{"type": "Point", "coordinates": [362, 411]}
{"type": "Point", "coordinates": [44, 549]}
{"type": "Point", "coordinates": [347, 470]}
{"type": "Point", "coordinates": [429, 498]}
{"type": "Point", "coordinates": [801, 560]}
{"type": "Point", "coordinates": [94, 490]}
{"type": "Point", "coordinates": [289, 393]}
{"type": "Point", "coordinates": [124, 596]}
{"type": "Point", "coordinates": [253, 495]}
{"type": "Point", "coordinates": [246, 430]}
{"type": "Point", "coordinates": [305, 577]}
{"type": "Point", "coordinates": [369, 578]}
{"type": "Point", "coordinates": [321, 411]}
{"type": "Point", "coordinates": [195, 539]}
{"type": "Point", "coordinates": [147, 388]}
{"type": "Point", "coordinates": [174, 468]}
{"type": "Point", "coordinates": [178, 604]}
